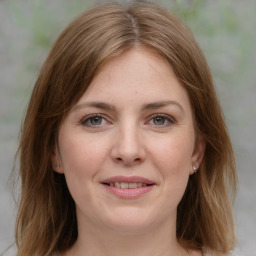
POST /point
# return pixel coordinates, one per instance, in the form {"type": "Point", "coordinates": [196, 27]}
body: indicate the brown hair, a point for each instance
{"type": "Point", "coordinates": [47, 210]}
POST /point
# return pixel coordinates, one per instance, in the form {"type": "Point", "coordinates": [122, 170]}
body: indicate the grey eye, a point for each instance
{"type": "Point", "coordinates": [96, 120]}
{"type": "Point", "coordinates": [159, 120]}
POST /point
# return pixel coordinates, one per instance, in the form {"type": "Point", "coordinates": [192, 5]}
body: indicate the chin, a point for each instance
{"type": "Point", "coordinates": [129, 220]}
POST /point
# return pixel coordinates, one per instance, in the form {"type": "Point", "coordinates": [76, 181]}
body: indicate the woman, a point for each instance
{"type": "Point", "coordinates": [124, 150]}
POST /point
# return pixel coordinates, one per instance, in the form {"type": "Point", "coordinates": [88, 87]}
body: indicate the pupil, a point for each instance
{"type": "Point", "coordinates": [96, 120]}
{"type": "Point", "coordinates": [159, 120]}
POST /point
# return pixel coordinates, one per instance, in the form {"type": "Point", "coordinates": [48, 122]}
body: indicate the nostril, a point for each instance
{"type": "Point", "coordinates": [128, 161]}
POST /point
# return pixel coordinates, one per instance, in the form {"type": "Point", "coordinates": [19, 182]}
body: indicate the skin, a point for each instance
{"type": "Point", "coordinates": [144, 128]}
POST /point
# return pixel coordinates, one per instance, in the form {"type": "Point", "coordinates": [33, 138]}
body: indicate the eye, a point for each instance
{"type": "Point", "coordinates": [160, 120]}
{"type": "Point", "coordinates": [94, 121]}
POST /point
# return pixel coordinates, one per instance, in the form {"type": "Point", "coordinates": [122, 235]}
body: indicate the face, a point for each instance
{"type": "Point", "coordinates": [128, 146]}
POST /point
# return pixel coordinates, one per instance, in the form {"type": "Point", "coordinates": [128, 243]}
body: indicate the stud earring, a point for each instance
{"type": "Point", "coordinates": [194, 168]}
{"type": "Point", "coordinates": [58, 165]}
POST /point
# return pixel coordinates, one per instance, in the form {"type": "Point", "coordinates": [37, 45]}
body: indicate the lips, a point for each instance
{"type": "Point", "coordinates": [127, 184]}
{"type": "Point", "coordinates": [132, 179]}
{"type": "Point", "coordinates": [128, 187]}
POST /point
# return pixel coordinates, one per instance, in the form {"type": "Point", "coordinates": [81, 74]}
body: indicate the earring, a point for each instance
{"type": "Point", "coordinates": [58, 165]}
{"type": "Point", "coordinates": [194, 168]}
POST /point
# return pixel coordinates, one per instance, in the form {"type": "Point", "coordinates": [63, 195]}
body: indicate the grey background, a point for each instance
{"type": "Point", "coordinates": [226, 31]}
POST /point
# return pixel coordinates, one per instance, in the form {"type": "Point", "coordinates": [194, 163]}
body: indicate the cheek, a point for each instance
{"type": "Point", "coordinates": [172, 161]}
{"type": "Point", "coordinates": [173, 155]}
{"type": "Point", "coordinates": [81, 159]}
{"type": "Point", "coordinates": [80, 156]}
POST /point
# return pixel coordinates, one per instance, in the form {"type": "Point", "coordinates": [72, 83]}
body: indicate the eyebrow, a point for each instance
{"type": "Point", "coordinates": [100, 105]}
{"type": "Point", "coordinates": [160, 104]}
{"type": "Point", "coordinates": [145, 107]}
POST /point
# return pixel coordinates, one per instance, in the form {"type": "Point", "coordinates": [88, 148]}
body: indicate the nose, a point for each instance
{"type": "Point", "coordinates": [128, 147]}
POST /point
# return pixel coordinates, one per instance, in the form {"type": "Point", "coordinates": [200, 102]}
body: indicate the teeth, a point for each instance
{"type": "Point", "coordinates": [117, 184]}
{"type": "Point", "coordinates": [127, 185]}
{"type": "Point", "coordinates": [124, 185]}
{"type": "Point", "coordinates": [134, 185]}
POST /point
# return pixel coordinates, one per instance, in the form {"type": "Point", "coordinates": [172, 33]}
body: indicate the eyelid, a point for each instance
{"type": "Point", "coordinates": [88, 117]}
{"type": "Point", "coordinates": [83, 121]}
{"type": "Point", "coordinates": [169, 118]}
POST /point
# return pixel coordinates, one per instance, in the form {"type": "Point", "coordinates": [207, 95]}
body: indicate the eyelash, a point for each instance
{"type": "Point", "coordinates": [89, 118]}
{"type": "Point", "coordinates": [165, 117]}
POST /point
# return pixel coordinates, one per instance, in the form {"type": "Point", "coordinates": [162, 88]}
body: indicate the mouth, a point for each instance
{"type": "Point", "coordinates": [128, 182]}
{"type": "Point", "coordinates": [128, 187]}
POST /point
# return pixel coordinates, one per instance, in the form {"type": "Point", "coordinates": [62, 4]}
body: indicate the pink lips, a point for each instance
{"type": "Point", "coordinates": [135, 179]}
{"type": "Point", "coordinates": [128, 193]}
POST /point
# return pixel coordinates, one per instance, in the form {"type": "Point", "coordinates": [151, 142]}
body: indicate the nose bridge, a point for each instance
{"type": "Point", "coordinates": [128, 146]}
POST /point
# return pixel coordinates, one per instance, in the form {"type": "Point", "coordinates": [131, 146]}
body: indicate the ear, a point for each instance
{"type": "Point", "coordinates": [198, 154]}
{"type": "Point", "coordinates": [56, 161]}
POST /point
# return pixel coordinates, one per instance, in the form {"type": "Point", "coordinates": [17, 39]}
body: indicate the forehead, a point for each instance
{"type": "Point", "coordinates": [136, 74]}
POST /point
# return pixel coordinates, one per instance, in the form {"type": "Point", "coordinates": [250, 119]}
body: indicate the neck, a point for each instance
{"type": "Point", "coordinates": [152, 241]}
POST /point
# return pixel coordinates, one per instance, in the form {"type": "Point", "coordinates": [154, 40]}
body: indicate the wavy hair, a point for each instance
{"type": "Point", "coordinates": [46, 209]}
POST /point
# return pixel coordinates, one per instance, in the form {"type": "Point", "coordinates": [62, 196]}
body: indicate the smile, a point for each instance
{"type": "Point", "coordinates": [127, 185]}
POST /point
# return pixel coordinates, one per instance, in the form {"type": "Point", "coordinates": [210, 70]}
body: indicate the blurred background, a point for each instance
{"type": "Point", "coordinates": [225, 30]}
